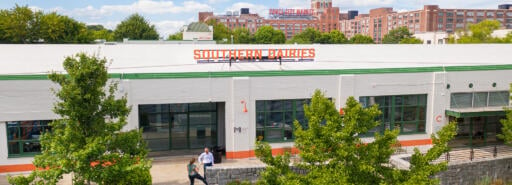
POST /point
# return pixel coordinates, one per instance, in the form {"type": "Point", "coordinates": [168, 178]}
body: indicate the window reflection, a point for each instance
{"type": "Point", "coordinates": [23, 136]}
{"type": "Point", "coordinates": [274, 118]}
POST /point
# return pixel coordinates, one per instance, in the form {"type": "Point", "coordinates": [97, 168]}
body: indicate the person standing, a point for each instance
{"type": "Point", "coordinates": [206, 158]}
{"type": "Point", "coordinates": [193, 172]}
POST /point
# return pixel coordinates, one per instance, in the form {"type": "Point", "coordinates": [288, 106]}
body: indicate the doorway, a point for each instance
{"type": "Point", "coordinates": [180, 126]}
{"type": "Point", "coordinates": [477, 131]}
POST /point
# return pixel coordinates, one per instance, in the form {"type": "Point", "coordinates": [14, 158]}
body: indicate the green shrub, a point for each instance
{"type": "Point", "coordinates": [237, 182]}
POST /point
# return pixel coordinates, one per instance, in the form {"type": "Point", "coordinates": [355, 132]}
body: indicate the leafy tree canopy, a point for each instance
{"type": "Point", "coordinates": [220, 31]}
{"type": "Point", "coordinates": [87, 141]}
{"type": "Point", "coordinates": [311, 35]}
{"type": "Point", "coordinates": [411, 40]}
{"type": "Point", "coordinates": [135, 27]}
{"type": "Point", "coordinates": [361, 39]}
{"type": "Point", "coordinates": [242, 36]}
{"type": "Point", "coordinates": [481, 33]}
{"type": "Point", "coordinates": [396, 36]}
{"type": "Point", "coordinates": [333, 153]}
{"type": "Point", "coordinates": [176, 36]}
{"type": "Point", "coordinates": [507, 123]}
{"type": "Point", "coordinates": [268, 35]}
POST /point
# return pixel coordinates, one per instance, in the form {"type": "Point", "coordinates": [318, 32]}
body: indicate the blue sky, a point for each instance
{"type": "Point", "coordinates": [170, 15]}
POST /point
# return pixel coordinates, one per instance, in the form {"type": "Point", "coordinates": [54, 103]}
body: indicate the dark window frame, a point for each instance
{"type": "Point", "coordinates": [264, 110]}
{"type": "Point", "coordinates": [21, 137]}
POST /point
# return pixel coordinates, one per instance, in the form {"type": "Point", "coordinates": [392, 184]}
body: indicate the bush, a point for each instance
{"type": "Point", "coordinates": [237, 182]}
{"type": "Point", "coordinates": [139, 176]}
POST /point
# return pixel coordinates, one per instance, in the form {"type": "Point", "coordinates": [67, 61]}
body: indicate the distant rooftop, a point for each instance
{"type": "Point", "coordinates": [198, 27]}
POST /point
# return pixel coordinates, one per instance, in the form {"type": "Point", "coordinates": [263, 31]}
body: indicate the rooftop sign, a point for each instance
{"type": "Point", "coordinates": [254, 55]}
{"type": "Point", "coordinates": [290, 12]}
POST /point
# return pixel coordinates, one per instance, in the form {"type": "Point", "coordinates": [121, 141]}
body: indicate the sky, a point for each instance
{"type": "Point", "coordinates": [170, 15]}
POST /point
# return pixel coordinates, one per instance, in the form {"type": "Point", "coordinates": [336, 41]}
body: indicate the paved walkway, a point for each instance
{"type": "Point", "coordinates": [169, 170]}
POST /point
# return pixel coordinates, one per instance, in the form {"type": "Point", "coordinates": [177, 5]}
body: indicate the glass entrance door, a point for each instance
{"type": "Point", "coordinates": [178, 134]}
{"type": "Point", "coordinates": [179, 126]}
{"type": "Point", "coordinates": [477, 131]}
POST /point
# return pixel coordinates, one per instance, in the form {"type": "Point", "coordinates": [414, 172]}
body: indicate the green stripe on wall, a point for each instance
{"type": "Point", "coordinates": [224, 74]}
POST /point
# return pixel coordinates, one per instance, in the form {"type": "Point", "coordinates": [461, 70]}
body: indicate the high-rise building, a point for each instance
{"type": "Point", "coordinates": [321, 16]}
{"type": "Point", "coordinates": [430, 19]}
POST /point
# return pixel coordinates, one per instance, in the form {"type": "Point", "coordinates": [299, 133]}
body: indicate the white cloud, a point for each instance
{"type": "Point", "coordinates": [253, 8]}
{"type": "Point", "coordinates": [217, 1]}
{"type": "Point", "coordinates": [35, 8]}
{"type": "Point", "coordinates": [140, 6]}
{"type": "Point", "coordinates": [165, 28]}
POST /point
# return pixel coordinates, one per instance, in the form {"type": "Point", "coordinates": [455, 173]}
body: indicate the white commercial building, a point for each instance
{"type": "Point", "coordinates": [433, 37]}
{"type": "Point", "coordinates": [192, 96]}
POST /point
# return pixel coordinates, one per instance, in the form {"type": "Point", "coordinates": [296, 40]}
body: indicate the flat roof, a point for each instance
{"type": "Point", "coordinates": [138, 59]}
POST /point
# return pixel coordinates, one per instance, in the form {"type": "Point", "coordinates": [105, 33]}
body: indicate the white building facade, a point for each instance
{"type": "Point", "coordinates": [183, 103]}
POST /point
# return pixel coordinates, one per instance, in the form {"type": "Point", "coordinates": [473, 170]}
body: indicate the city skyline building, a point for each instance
{"type": "Point", "coordinates": [378, 22]}
{"type": "Point", "coordinates": [322, 16]}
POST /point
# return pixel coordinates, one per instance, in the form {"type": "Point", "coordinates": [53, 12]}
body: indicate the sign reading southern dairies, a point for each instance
{"type": "Point", "coordinates": [291, 12]}
{"type": "Point", "coordinates": [254, 55]}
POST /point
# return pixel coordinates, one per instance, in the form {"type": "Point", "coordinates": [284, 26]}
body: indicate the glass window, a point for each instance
{"type": "Point", "coordinates": [406, 112]}
{"type": "Point", "coordinates": [499, 98]}
{"type": "Point", "coordinates": [274, 118]}
{"type": "Point", "coordinates": [461, 100]}
{"type": "Point", "coordinates": [23, 137]}
{"type": "Point", "coordinates": [479, 99]}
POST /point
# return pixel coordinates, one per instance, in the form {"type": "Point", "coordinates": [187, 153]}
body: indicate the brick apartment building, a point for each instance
{"type": "Point", "coordinates": [430, 19]}
{"type": "Point", "coordinates": [322, 16]}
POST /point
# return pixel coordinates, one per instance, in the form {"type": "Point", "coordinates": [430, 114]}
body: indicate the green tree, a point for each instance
{"type": "Point", "coordinates": [176, 36]}
{"type": "Point", "coordinates": [220, 31]}
{"type": "Point", "coordinates": [242, 36]}
{"type": "Point", "coordinates": [308, 36]}
{"type": "Point", "coordinates": [268, 35]}
{"type": "Point", "coordinates": [87, 141]}
{"type": "Point", "coordinates": [361, 39]}
{"type": "Point", "coordinates": [135, 27]}
{"type": "Point", "coordinates": [411, 40]}
{"type": "Point", "coordinates": [507, 124]}
{"type": "Point", "coordinates": [57, 28]}
{"type": "Point", "coordinates": [480, 33]}
{"type": "Point", "coordinates": [336, 37]}
{"type": "Point", "coordinates": [100, 32]}
{"type": "Point", "coordinates": [18, 25]}
{"type": "Point", "coordinates": [396, 35]}
{"type": "Point", "coordinates": [332, 152]}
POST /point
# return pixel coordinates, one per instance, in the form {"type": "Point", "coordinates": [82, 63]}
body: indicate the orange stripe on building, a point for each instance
{"type": "Point", "coordinates": [16, 168]}
{"type": "Point", "coordinates": [416, 142]}
{"type": "Point", "coordinates": [278, 151]}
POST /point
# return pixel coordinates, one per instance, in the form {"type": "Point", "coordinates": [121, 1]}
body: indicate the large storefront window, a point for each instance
{"type": "Point", "coordinates": [23, 137]}
{"type": "Point", "coordinates": [479, 99]}
{"type": "Point", "coordinates": [477, 131]}
{"type": "Point", "coordinates": [404, 112]}
{"type": "Point", "coordinates": [179, 126]}
{"type": "Point", "coordinates": [274, 118]}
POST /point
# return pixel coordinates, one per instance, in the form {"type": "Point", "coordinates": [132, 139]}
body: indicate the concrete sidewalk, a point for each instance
{"type": "Point", "coordinates": [168, 170]}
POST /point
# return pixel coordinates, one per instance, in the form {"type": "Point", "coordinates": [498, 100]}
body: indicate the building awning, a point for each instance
{"type": "Point", "coordinates": [476, 112]}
